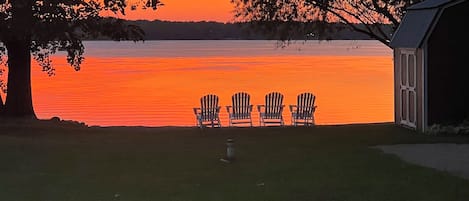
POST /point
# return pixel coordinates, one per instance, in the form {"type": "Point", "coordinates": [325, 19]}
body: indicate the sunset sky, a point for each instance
{"type": "Point", "coordinates": [187, 10]}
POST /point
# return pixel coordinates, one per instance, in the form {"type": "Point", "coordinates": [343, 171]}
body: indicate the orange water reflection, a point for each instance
{"type": "Point", "coordinates": [163, 91]}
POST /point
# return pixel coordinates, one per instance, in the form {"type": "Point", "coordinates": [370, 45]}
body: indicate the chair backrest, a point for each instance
{"type": "Point", "coordinates": [305, 104]}
{"type": "Point", "coordinates": [273, 104]}
{"type": "Point", "coordinates": [209, 106]}
{"type": "Point", "coordinates": [241, 103]}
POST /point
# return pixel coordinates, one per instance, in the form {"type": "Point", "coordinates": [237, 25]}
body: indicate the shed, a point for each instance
{"type": "Point", "coordinates": [431, 70]}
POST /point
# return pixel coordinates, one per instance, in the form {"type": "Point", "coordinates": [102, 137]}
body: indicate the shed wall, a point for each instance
{"type": "Point", "coordinates": [448, 69]}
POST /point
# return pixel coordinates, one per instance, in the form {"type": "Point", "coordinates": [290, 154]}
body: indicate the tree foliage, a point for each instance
{"type": "Point", "coordinates": [45, 27]}
{"type": "Point", "coordinates": [60, 25]}
{"type": "Point", "coordinates": [371, 17]}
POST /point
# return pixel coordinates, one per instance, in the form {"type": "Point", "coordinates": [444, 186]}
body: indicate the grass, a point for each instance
{"type": "Point", "coordinates": [324, 163]}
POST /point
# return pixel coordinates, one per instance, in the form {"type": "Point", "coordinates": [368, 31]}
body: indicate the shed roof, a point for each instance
{"type": "Point", "coordinates": [417, 22]}
{"type": "Point", "coordinates": [428, 4]}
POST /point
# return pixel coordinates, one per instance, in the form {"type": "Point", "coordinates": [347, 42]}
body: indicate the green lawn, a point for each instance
{"type": "Point", "coordinates": [324, 163]}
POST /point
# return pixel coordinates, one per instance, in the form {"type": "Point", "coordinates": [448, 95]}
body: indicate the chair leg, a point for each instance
{"type": "Point", "coordinates": [201, 124]}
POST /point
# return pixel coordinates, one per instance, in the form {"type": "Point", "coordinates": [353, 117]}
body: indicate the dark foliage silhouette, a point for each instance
{"type": "Point", "coordinates": [37, 29]}
{"type": "Point", "coordinates": [310, 17]}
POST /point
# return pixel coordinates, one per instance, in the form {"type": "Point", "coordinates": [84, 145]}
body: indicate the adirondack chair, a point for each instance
{"type": "Point", "coordinates": [271, 112]}
{"type": "Point", "coordinates": [303, 111]}
{"type": "Point", "coordinates": [240, 110]}
{"type": "Point", "coordinates": [208, 113]}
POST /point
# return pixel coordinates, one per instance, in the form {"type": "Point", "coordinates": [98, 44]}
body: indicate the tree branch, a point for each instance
{"type": "Point", "coordinates": [368, 31]}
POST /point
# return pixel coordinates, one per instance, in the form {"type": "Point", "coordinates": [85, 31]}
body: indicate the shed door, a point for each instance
{"type": "Point", "coordinates": [408, 96]}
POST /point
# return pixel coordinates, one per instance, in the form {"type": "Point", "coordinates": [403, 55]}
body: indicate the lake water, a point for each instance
{"type": "Point", "coordinates": [157, 83]}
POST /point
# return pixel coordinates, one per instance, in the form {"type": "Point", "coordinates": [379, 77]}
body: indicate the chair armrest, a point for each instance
{"type": "Point", "coordinates": [228, 109]}
{"type": "Point", "coordinates": [281, 108]}
{"type": "Point", "coordinates": [250, 108]}
{"type": "Point", "coordinates": [292, 107]}
{"type": "Point", "coordinates": [259, 107]}
{"type": "Point", "coordinates": [218, 109]}
{"type": "Point", "coordinates": [196, 109]}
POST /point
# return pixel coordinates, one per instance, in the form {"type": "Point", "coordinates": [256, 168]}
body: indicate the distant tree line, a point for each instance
{"type": "Point", "coordinates": [168, 30]}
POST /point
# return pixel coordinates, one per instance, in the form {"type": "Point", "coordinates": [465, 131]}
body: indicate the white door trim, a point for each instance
{"type": "Point", "coordinates": [407, 88]}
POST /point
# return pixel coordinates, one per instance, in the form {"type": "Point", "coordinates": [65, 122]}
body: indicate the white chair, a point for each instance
{"type": "Point", "coordinates": [208, 113]}
{"type": "Point", "coordinates": [271, 112]}
{"type": "Point", "coordinates": [303, 111]}
{"type": "Point", "coordinates": [240, 110]}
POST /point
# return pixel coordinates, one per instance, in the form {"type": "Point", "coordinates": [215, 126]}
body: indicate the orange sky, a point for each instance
{"type": "Point", "coordinates": [187, 10]}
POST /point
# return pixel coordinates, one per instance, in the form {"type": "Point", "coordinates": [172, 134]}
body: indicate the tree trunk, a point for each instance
{"type": "Point", "coordinates": [1, 105]}
{"type": "Point", "coordinates": [19, 102]}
